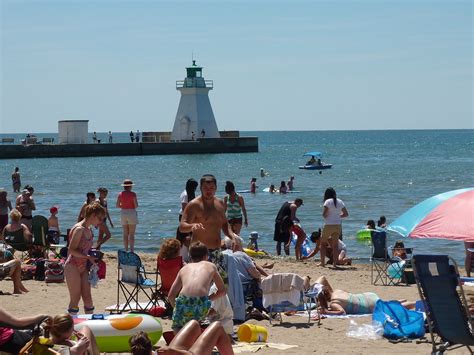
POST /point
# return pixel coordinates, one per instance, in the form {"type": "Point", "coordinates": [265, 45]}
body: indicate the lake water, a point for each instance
{"type": "Point", "coordinates": [375, 173]}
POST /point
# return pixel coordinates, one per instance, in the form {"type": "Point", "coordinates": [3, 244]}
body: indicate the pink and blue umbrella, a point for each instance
{"type": "Point", "coordinates": [449, 215]}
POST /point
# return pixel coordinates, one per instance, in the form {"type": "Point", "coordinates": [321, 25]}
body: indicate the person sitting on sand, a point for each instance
{"type": "Point", "coordinates": [338, 302]}
{"type": "Point", "coordinates": [13, 340]}
{"type": "Point", "coordinates": [342, 249]}
{"type": "Point", "coordinates": [399, 251]}
{"type": "Point", "coordinates": [14, 227]}
{"type": "Point", "coordinates": [192, 284]}
{"type": "Point", "coordinates": [247, 269]}
{"type": "Point", "coordinates": [342, 258]}
{"type": "Point", "coordinates": [189, 340]}
{"type": "Point", "coordinates": [61, 330]}
{"type": "Point", "coordinates": [11, 267]}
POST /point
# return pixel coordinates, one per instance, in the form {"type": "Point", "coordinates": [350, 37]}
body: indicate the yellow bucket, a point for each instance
{"type": "Point", "coordinates": [252, 333]}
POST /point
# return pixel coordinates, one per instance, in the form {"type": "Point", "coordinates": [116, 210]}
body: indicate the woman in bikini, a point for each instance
{"type": "Point", "coordinates": [76, 268]}
{"type": "Point", "coordinates": [90, 197]}
{"type": "Point", "coordinates": [103, 228]}
{"type": "Point", "coordinates": [339, 302]}
{"type": "Point", "coordinates": [234, 207]}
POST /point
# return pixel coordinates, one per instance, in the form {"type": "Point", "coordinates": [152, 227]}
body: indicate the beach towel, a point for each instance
{"type": "Point", "coordinates": [242, 347]}
{"type": "Point", "coordinates": [282, 287]}
{"type": "Point", "coordinates": [235, 290]}
{"type": "Point", "coordinates": [314, 315]}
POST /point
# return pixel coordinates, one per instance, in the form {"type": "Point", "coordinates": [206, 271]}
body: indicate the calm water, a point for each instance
{"type": "Point", "coordinates": [374, 173]}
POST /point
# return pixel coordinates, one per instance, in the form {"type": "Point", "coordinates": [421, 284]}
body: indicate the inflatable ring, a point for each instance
{"type": "Point", "coordinates": [364, 234]}
{"type": "Point", "coordinates": [112, 332]}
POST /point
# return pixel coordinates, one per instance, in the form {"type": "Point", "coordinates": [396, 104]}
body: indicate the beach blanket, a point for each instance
{"type": "Point", "coordinates": [314, 315]}
{"type": "Point", "coordinates": [241, 347]}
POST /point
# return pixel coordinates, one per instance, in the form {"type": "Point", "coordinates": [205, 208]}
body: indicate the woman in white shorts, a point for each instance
{"type": "Point", "coordinates": [127, 202]}
{"type": "Point", "coordinates": [334, 211]}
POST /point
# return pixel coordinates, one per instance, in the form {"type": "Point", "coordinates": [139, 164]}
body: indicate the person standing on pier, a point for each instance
{"type": "Point", "coordinates": [132, 137]}
{"type": "Point", "coordinates": [137, 136]}
{"type": "Point", "coordinates": [110, 137]}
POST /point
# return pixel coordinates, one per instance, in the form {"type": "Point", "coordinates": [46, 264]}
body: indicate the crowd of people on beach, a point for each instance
{"type": "Point", "coordinates": [203, 254]}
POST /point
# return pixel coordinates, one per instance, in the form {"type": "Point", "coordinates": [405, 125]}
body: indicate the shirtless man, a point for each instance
{"type": "Point", "coordinates": [192, 284]}
{"type": "Point", "coordinates": [205, 218]}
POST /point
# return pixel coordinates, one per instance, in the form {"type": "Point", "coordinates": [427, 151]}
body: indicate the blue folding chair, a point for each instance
{"type": "Point", "coordinates": [133, 279]}
{"type": "Point", "coordinates": [441, 291]}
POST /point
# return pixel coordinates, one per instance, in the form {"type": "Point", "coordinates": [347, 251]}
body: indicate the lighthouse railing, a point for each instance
{"type": "Point", "coordinates": [192, 83]}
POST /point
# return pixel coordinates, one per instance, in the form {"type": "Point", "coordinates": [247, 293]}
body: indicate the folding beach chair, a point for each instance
{"type": "Point", "coordinates": [388, 270]}
{"type": "Point", "coordinates": [42, 240]}
{"type": "Point", "coordinates": [132, 279]}
{"type": "Point", "coordinates": [168, 270]}
{"type": "Point", "coordinates": [440, 289]}
{"type": "Point", "coordinates": [17, 241]}
{"type": "Point", "coordinates": [285, 293]}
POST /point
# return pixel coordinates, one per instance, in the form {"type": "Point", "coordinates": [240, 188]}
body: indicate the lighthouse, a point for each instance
{"type": "Point", "coordinates": [194, 119]}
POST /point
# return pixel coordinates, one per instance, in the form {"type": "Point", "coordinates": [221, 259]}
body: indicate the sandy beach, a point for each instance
{"type": "Point", "coordinates": [330, 337]}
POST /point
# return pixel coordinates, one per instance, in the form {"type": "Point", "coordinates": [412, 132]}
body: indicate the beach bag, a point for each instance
{"type": "Point", "coordinates": [28, 269]}
{"type": "Point", "coordinates": [102, 269]}
{"type": "Point", "coordinates": [397, 321]}
{"type": "Point", "coordinates": [40, 270]}
{"type": "Point", "coordinates": [54, 271]}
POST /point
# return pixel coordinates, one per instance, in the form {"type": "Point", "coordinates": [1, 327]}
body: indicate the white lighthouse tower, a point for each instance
{"type": "Point", "coordinates": [194, 118]}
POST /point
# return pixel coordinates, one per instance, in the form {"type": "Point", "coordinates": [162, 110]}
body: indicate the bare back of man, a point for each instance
{"type": "Point", "coordinates": [196, 278]}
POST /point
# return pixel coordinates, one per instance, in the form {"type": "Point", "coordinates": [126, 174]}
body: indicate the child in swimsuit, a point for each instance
{"type": "Point", "coordinates": [192, 284]}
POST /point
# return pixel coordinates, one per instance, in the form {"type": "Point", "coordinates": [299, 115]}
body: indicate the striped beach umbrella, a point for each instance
{"type": "Point", "coordinates": [449, 215]}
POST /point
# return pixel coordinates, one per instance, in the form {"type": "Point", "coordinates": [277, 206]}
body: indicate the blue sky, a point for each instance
{"type": "Point", "coordinates": [276, 65]}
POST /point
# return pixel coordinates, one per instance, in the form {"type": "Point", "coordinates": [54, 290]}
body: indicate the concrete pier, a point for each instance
{"type": "Point", "coordinates": [201, 146]}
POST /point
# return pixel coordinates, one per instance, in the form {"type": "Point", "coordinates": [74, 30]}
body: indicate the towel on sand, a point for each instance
{"type": "Point", "coordinates": [241, 347]}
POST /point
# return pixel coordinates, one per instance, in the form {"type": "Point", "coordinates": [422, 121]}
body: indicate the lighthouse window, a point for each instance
{"type": "Point", "coordinates": [198, 74]}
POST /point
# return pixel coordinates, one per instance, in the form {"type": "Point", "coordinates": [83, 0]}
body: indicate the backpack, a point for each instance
{"type": "Point", "coordinates": [397, 321]}
{"type": "Point", "coordinates": [54, 271]}
{"type": "Point", "coordinates": [40, 270]}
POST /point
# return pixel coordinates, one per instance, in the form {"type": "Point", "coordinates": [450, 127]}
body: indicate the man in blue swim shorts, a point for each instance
{"type": "Point", "coordinates": [192, 284]}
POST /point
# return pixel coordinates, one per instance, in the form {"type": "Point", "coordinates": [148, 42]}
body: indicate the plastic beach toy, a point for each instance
{"type": "Point", "coordinates": [113, 331]}
{"type": "Point", "coordinates": [252, 333]}
{"type": "Point", "coordinates": [251, 252]}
